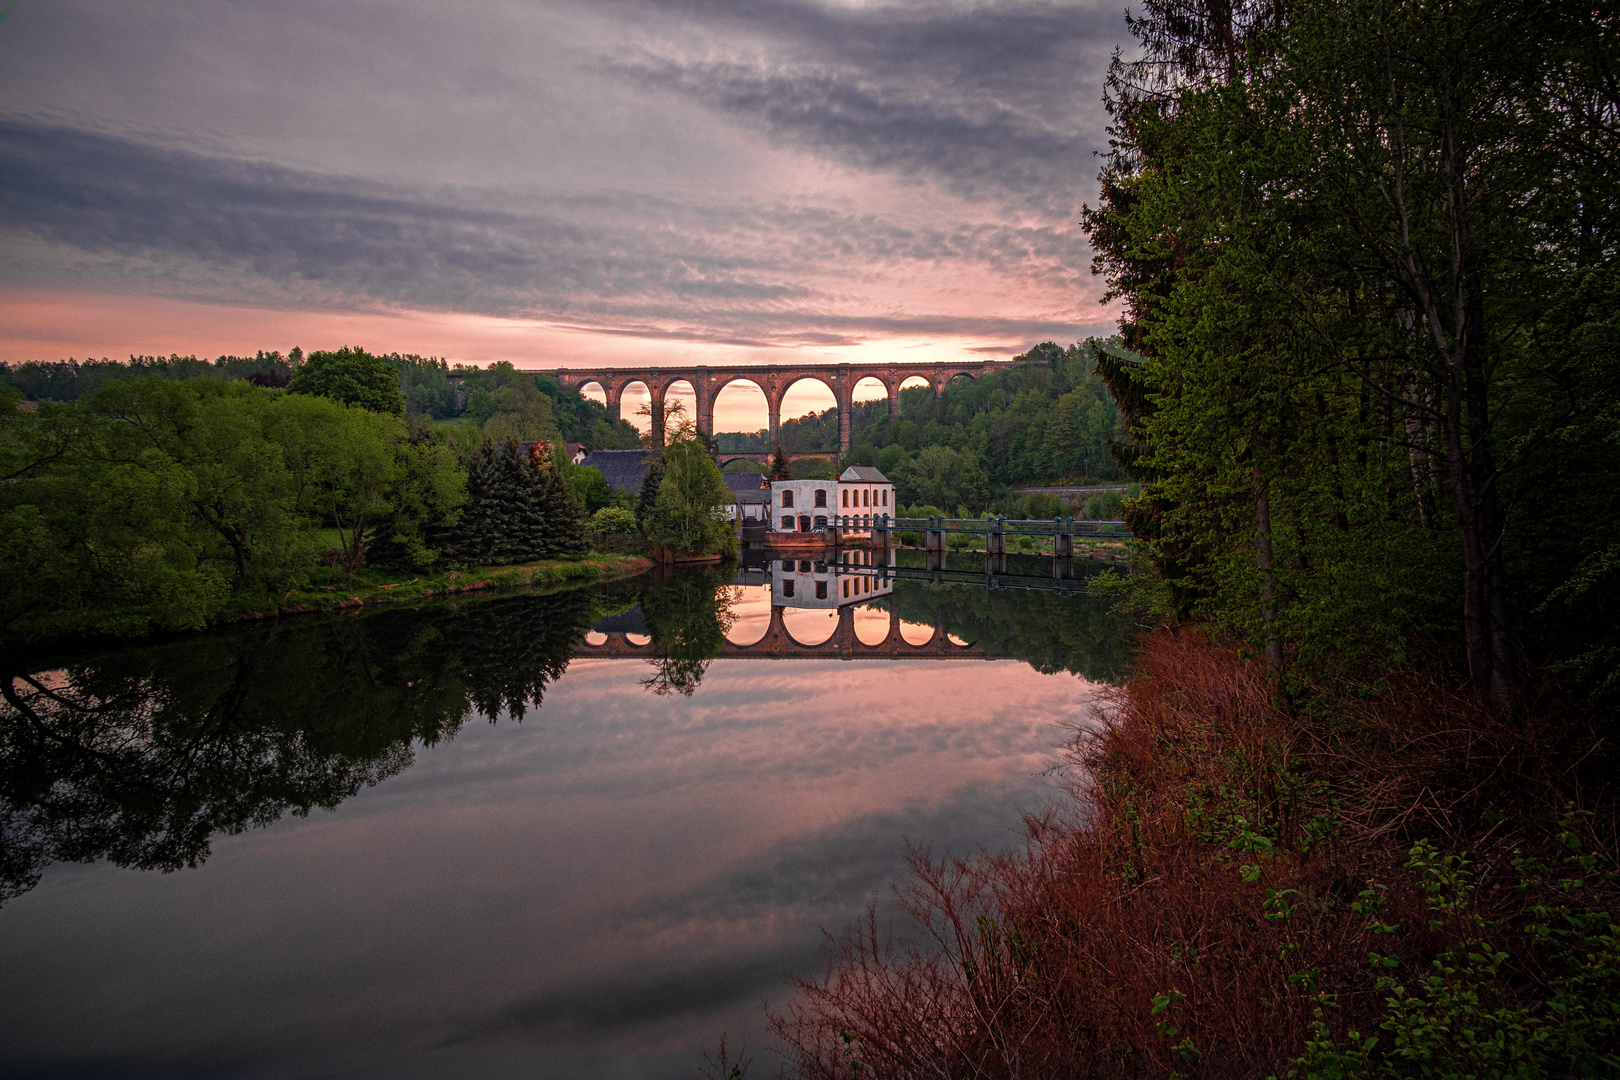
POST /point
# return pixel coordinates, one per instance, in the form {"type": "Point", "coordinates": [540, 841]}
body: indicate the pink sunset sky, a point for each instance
{"type": "Point", "coordinates": [554, 184]}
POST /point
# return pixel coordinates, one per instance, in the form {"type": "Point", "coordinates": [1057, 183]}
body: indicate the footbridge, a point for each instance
{"type": "Point", "coordinates": [778, 644]}
{"type": "Point", "coordinates": [774, 380]}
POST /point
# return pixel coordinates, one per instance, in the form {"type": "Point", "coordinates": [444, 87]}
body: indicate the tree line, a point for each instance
{"type": "Point", "coordinates": [1049, 422]}
{"type": "Point", "coordinates": [154, 502]}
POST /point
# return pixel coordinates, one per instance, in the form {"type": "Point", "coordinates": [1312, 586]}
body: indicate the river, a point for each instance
{"type": "Point", "coordinates": [469, 840]}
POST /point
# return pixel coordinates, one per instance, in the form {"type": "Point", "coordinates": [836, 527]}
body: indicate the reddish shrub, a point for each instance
{"type": "Point", "coordinates": [1206, 905]}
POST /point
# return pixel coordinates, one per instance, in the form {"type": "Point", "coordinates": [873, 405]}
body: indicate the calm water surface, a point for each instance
{"type": "Point", "coordinates": [571, 835]}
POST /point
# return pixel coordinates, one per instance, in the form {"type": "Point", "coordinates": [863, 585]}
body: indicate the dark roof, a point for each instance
{"type": "Point", "coordinates": [740, 482]}
{"type": "Point", "coordinates": [863, 474]}
{"type": "Point", "coordinates": [624, 469]}
{"type": "Point", "coordinates": [750, 496]}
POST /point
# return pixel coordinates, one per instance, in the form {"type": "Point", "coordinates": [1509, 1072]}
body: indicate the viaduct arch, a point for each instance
{"type": "Point", "coordinates": [774, 380]}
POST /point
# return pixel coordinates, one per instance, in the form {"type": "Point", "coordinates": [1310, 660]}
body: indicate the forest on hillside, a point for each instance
{"type": "Point", "coordinates": [523, 406]}
{"type": "Point", "coordinates": [1051, 421]}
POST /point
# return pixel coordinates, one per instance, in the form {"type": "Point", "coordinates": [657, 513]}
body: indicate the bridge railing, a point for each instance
{"type": "Point", "coordinates": [981, 526]}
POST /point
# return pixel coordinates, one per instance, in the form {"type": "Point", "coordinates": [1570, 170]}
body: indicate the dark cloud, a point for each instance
{"type": "Point", "coordinates": [614, 262]}
{"type": "Point", "coordinates": [992, 99]}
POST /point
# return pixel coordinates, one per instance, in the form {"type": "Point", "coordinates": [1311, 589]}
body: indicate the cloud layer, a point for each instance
{"type": "Point", "coordinates": [748, 175]}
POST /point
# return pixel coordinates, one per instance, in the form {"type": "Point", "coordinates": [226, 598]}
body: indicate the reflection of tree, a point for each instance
{"type": "Point", "coordinates": [1078, 634]}
{"type": "Point", "coordinates": [141, 756]}
{"type": "Point", "coordinates": [688, 614]}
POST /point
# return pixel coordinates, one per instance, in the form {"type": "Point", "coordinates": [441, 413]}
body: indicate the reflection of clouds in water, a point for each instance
{"type": "Point", "coordinates": [751, 614]}
{"type": "Point", "coordinates": [916, 633]}
{"type": "Point", "coordinates": [595, 638]}
{"type": "Point", "coordinates": [810, 626]}
{"type": "Point", "coordinates": [838, 870]}
{"type": "Point", "coordinates": [954, 640]}
{"type": "Point", "coordinates": [618, 873]}
{"type": "Point", "coordinates": [871, 625]}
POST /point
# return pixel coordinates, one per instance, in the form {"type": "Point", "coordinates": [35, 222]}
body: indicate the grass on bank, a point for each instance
{"type": "Point", "coordinates": [1384, 881]}
{"type": "Point", "coordinates": [332, 590]}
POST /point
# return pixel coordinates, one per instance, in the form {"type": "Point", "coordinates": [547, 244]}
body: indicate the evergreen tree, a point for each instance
{"type": "Point", "coordinates": [780, 470]}
{"type": "Point", "coordinates": [564, 517]}
{"type": "Point", "coordinates": [649, 491]}
{"type": "Point", "coordinates": [484, 518]}
{"type": "Point", "coordinates": [525, 539]}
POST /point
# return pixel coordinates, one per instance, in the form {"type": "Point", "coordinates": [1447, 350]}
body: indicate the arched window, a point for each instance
{"type": "Point", "coordinates": [885, 496]}
{"type": "Point", "coordinates": [787, 522]}
{"type": "Point", "coordinates": [821, 497]}
{"type": "Point", "coordinates": [846, 586]}
{"type": "Point", "coordinates": [846, 498]}
{"type": "Point", "coordinates": [821, 590]}
{"type": "Point", "coordinates": [787, 588]}
{"type": "Point", "coordinates": [787, 499]}
{"type": "Point", "coordinates": [866, 497]}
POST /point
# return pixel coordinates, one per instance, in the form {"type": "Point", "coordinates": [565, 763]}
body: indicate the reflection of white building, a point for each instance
{"type": "Point", "coordinates": [854, 579]}
{"type": "Point", "coordinates": [861, 493]}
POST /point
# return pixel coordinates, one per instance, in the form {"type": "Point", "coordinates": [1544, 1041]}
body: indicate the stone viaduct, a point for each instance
{"type": "Point", "coordinates": [774, 380]}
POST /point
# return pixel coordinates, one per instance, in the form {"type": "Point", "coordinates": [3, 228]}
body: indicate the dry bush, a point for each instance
{"type": "Point", "coordinates": [1206, 905]}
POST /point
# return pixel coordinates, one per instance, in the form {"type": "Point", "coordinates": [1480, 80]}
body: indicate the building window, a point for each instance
{"type": "Point", "coordinates": [804, 566]}
{"type": "Point", "coordinates": [804, 523]}
{"type": "Point", "coordinates": [866, 497]}
{"type": "Point", "coordinates": [846, 498]}
{"type": "Point", "coordinates": [787, 566]}
{"type": "Point", "coordinates": [885, 496]}
{"type": "Point", "coordinates": [821, 590]}
{"type": "Point", "coordinates": [821, 521]}
{"type": "Point", "coordinates": [846, 586]}
{"type": "Point", "coordinates": [787, 499]}
{"type": "Point", "coordinates": [787, 523]}
{"type": "Point", "coordinates": [821, 497]}
{"type": "Point", "coordinates": [787, 588]}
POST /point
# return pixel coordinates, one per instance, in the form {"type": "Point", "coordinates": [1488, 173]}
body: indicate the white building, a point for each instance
{"type": "Point", "coordinates": [808, 505]}
{"type": "Point", "coordinates": [802, 505]}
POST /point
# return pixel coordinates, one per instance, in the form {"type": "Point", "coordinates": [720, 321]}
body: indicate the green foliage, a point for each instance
{"type": "Point", "coordinates": [1466, 1017]}
{"type": "Point", "coordinates": [353, 377]}
{"type": "Point", "coordinates": [1050, 422]}
{"type": "Point", "coordinates": [70, 380]}
{"type": "Point", "coordinates": [612, 519]}
{"type": "Point", "coordinates": [1367, 312]}
{"type": "Point", "coordinates": [814, 468]}
{"type": "Point", "coordinates": [687, 514]}
{"type": "Point", "coordinates": [780, 468]}
{"type": "Point", "coordinates": [147, 504]}
{"type": "Point", "coordinates": [519, 509]}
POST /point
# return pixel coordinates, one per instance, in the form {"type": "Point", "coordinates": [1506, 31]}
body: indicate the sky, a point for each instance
{"type": "Point", "coordinates": [556, 183]}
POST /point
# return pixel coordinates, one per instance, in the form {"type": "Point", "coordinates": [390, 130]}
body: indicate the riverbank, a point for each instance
{"type": "Point", "coordinates": [375, 585]}
{"type": "Point", "coordinates": [1345, 882]}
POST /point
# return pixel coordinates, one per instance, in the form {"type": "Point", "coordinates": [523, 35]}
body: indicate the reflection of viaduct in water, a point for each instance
{"type": "Point", "coordinates": [774, 380]}
{"type": "Point", "coordinates": [778, 644]}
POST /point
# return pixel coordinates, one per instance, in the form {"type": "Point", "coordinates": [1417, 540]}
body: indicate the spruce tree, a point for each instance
{"type": "Point", "coordinates": [780, 470]}
{"type": "Point", "coordinates": [649, 491]}
{"type": "Point", "coordinates": [483, 518]}
{"type": "Point", "coordinates": [564, 517]}
{"type": "Point", "coordinates": [525, 539]}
